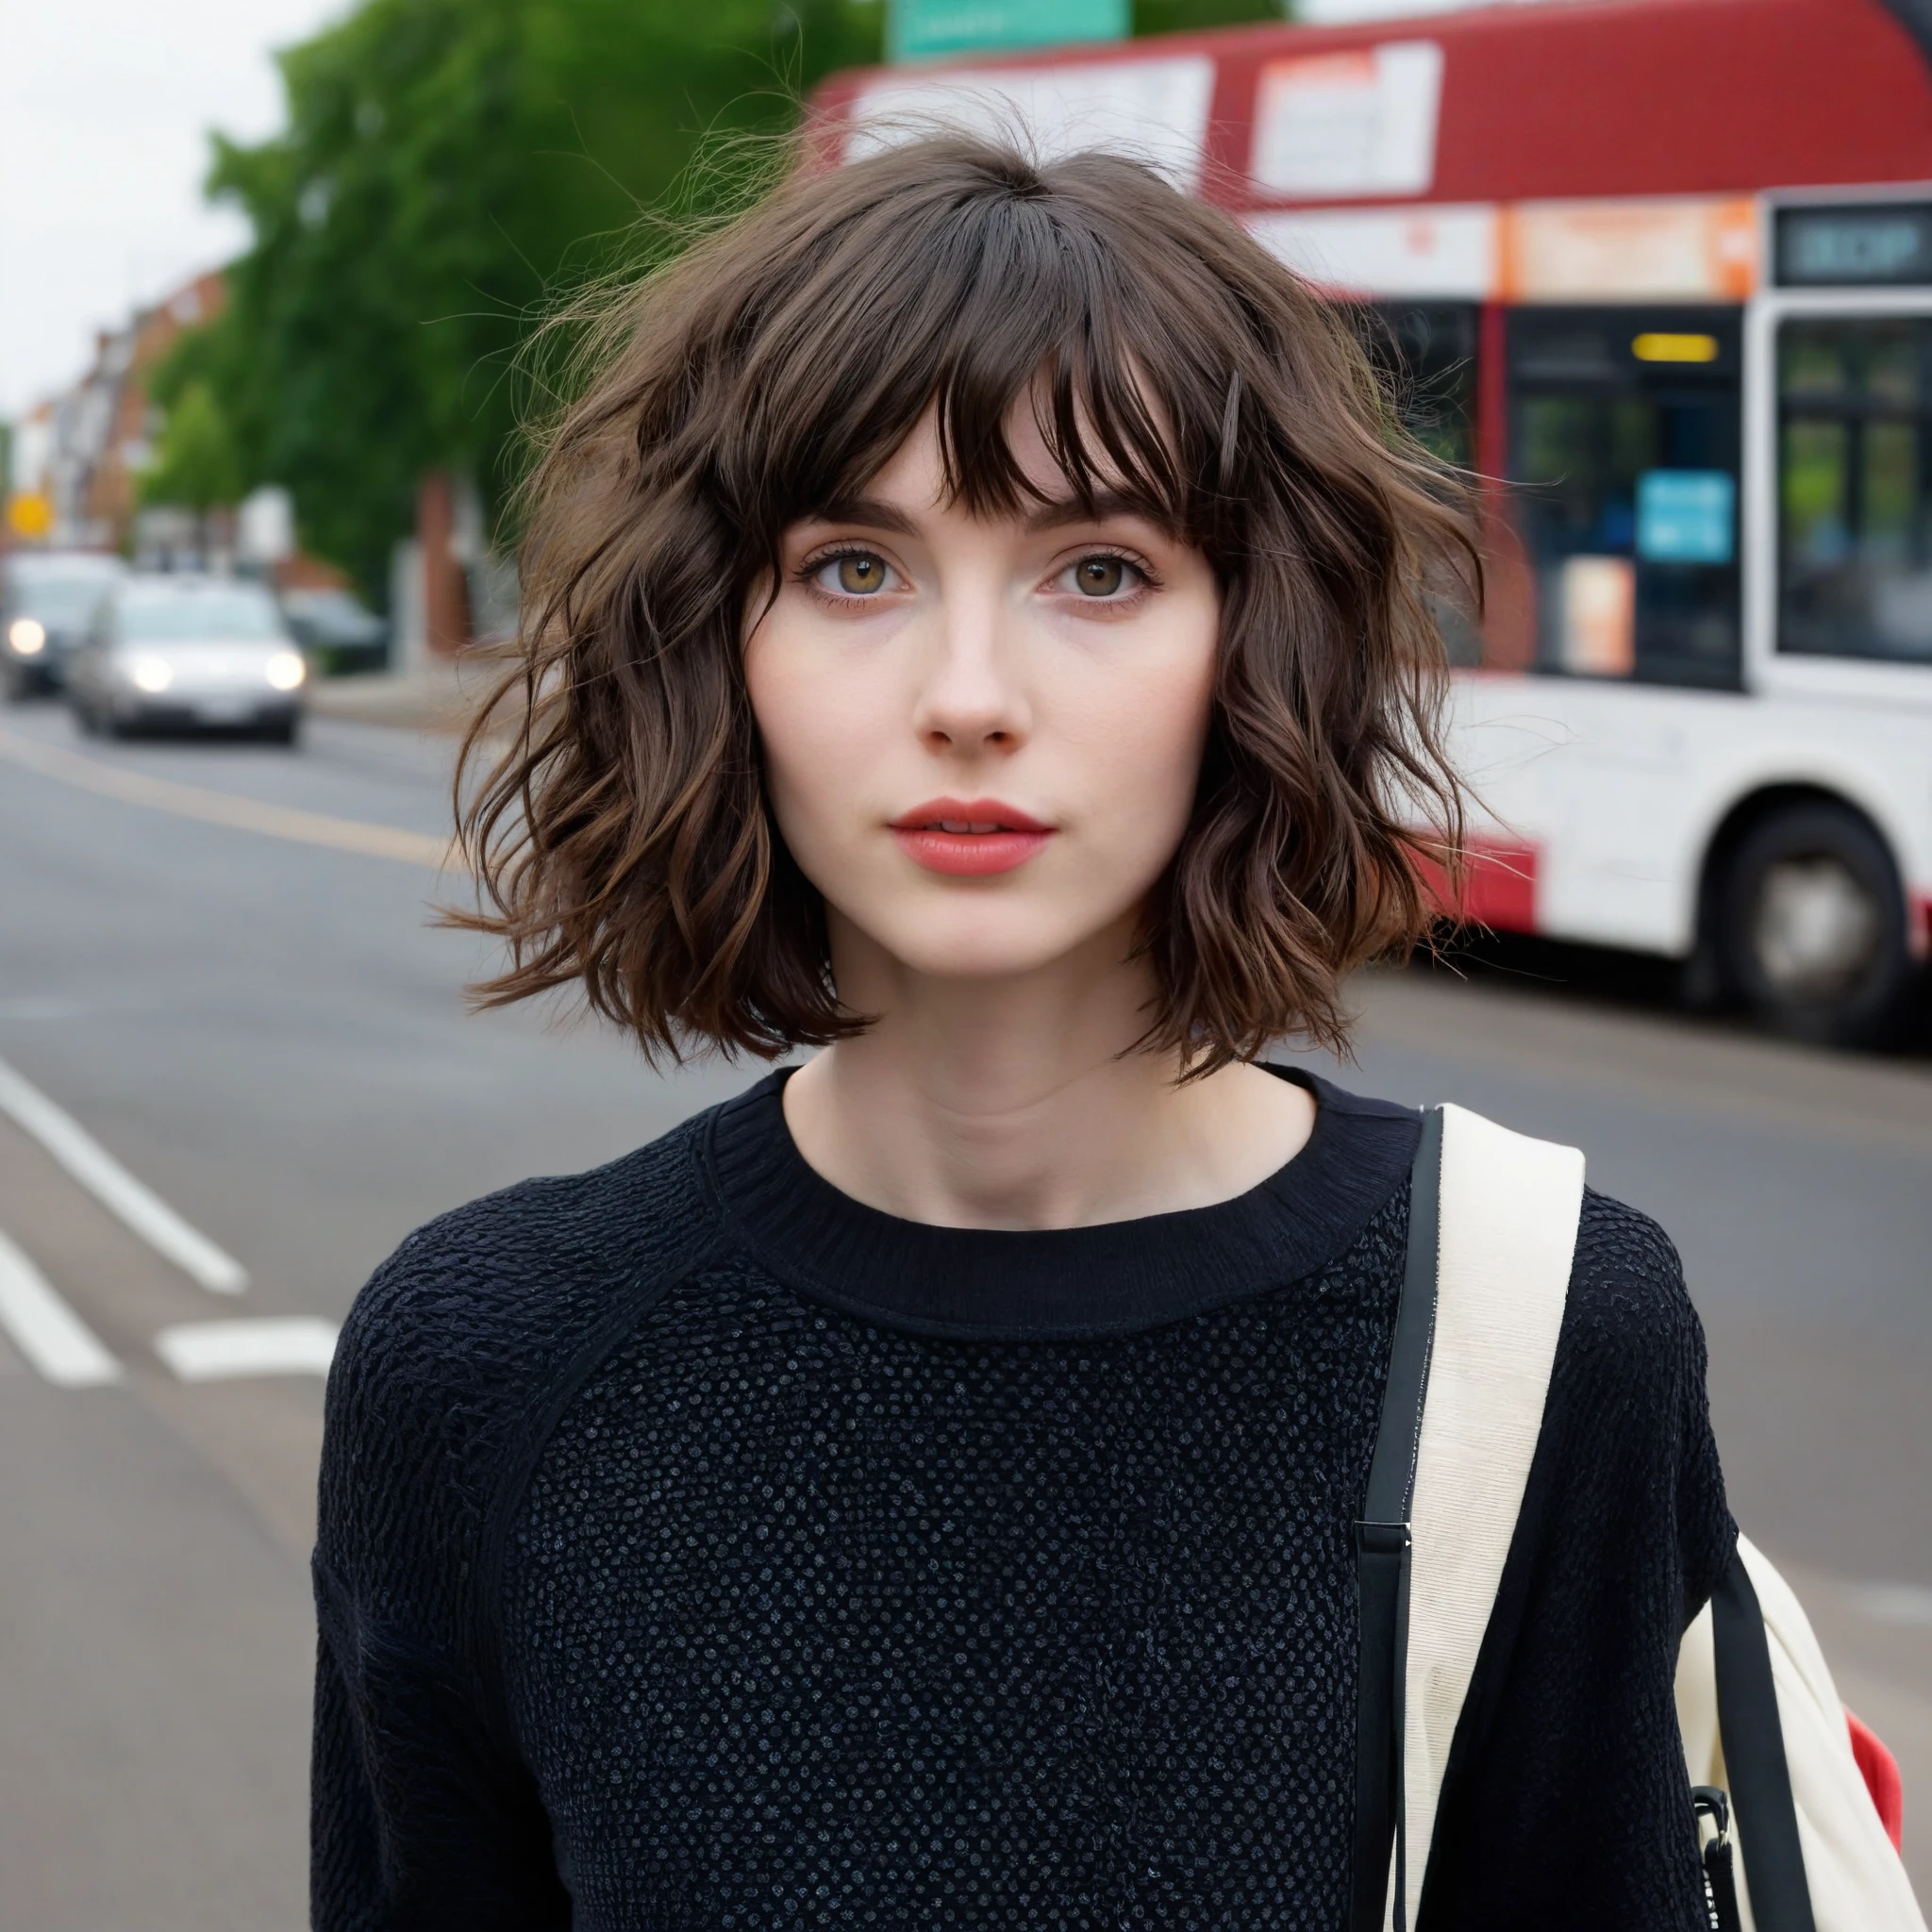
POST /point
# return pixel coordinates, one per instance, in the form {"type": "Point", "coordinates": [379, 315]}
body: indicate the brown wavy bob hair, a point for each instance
{"type": "Point", "coordinates": [620, 834]}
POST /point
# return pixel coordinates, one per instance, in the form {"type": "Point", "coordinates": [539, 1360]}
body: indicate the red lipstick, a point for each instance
{"type": "Point", "coordinates": [969, 837]}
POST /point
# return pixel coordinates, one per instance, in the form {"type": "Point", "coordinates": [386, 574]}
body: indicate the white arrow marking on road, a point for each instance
{"type": "Point", "coordinates": [275, 1345]}
{"type": "Point", "coordinates": [115, 1189]}
{"type": "Point", "coordinates": [45, 1330]}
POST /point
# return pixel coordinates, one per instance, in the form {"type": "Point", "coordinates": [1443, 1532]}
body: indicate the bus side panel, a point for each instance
{"type": "Point", "coordinates": [1616, 792]}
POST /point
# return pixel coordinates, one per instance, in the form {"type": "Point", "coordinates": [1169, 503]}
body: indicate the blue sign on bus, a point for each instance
{"type": "Point", "coordinates": [1686, 516]}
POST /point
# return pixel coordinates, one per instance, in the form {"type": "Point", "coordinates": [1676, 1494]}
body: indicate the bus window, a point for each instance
{"type": "Point", "coordinates": [1855, 486]}
{"type": "Point", "coordinates": [1623, 443]}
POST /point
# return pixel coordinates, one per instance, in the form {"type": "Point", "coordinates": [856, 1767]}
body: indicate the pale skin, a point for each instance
{"type": "Point", "coordinates": [1060, 665]}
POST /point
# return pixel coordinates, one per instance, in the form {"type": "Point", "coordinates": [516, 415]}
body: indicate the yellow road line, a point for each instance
{"type": "Point", "coordinates": [223, 809]}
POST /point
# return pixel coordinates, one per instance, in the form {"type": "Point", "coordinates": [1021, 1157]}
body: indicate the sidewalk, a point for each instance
{"type": "Point", "coordinates": [440, 696]}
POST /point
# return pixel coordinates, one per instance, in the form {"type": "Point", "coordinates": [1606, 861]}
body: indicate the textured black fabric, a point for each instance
{"type": "Point", "coordinates": [1567, 1773]}
{"type": "Point", "coordinates": [700, 1549]}
{"type": "Point", "coordinates": [968, 1283]}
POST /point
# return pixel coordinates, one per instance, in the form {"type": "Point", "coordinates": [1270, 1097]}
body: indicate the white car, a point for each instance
{"type": "Point", "coordinates": [189, 652]}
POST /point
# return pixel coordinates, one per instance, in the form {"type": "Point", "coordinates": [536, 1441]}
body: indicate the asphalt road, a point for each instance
{"type": "Point", "coordinates": [252, 1014]}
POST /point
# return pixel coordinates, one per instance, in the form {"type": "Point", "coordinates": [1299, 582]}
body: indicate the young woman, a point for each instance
{"type": "Point", "coordinates": [979, 626]}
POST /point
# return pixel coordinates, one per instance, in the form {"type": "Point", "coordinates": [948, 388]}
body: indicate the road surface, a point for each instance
{"type": "Point", "coordinates": [236, 1000]}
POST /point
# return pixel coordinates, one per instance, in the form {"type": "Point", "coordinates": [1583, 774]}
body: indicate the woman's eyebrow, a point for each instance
{"type": "Point", "coordinates": [876, 514]}
{"type": "Point", "coordinates": [873, 511]}
{"type": "Point", "coordinates": [1096, 509]}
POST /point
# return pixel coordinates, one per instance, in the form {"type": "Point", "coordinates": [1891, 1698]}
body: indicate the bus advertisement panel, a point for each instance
{"type": "Point", "coordinates": [1659, 272]}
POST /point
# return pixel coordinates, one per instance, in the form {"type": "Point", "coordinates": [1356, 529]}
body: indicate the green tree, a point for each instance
{"type": "Point", "coordinates": [197, 465]}
{"type": "Point", "coordinates": [448, 169]}
{"type": "Point", "coordinates": [1192, 16]}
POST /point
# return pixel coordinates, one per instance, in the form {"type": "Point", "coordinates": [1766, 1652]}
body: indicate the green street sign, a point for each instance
{"type": "Point", "coordinates": [920, 29]}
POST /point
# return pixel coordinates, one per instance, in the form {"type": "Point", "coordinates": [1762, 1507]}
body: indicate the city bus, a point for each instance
{"type": "Point", "coordinates": [1658, 274]}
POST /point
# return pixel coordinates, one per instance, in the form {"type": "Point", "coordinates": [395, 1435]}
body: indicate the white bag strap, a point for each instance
{"type": "Point", "coordinates": [1506, 1232]}
{"type": "Point", "coordinates": [1506, 1236]}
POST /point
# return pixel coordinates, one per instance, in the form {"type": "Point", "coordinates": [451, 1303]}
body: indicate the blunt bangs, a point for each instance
{"type": "Point", "coordinates": [610, 797]}
{"type": "Point", "coordinates": [1024, 308]}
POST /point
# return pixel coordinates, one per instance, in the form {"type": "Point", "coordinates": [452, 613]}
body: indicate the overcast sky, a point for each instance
{"type": "Point", "coordinates": [105, 108]}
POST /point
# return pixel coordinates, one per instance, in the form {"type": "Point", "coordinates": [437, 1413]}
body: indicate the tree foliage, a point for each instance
{"type": "Point", "coordinates": [448, 169]}
{"type": "Point", "coordinates": [195, 465]}
{"type": "Point", "coordinates": [1191, 16]}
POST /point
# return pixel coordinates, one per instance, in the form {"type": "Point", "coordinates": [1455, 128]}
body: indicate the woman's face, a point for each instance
{"type": "Point", "coordinates": [982, 737]}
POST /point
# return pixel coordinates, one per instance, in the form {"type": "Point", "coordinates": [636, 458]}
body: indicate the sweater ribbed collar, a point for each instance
{"type": "Point", "coordinates": [1057, 1284]}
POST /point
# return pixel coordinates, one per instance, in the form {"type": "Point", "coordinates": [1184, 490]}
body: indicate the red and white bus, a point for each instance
{"type": "Point", "coordinates": [1663, 271]}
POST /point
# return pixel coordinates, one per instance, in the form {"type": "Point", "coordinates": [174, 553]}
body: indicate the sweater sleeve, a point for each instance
{"type": "Point", "coordinates": [424, 1813]}
{"type": "Point", "coordinates": [421, 1814]}
{"type": "Point", "coordinates": [1566, 1800]}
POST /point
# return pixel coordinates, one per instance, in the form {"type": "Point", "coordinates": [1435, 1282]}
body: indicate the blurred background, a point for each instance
{"type": "Point", "coordinates": [274, 277]}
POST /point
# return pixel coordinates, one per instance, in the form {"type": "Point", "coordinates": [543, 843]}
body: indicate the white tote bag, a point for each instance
{"type": "Point", "coordinates": [1507, 1220]}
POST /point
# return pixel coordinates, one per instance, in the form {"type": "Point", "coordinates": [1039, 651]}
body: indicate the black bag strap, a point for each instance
{"type": "Point", "coordinates": [1719, 1879]}
{"type": "Point", "coordinates": [1382, 1561]}
{"type": "Point", "coordinates": [1753, 1741]}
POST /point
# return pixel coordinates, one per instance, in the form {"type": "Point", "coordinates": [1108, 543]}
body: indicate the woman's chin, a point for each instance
{"type": "Point", "coordinates": [982, 942]}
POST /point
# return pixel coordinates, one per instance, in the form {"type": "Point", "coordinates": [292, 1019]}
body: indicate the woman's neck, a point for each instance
{"type": "Point", "coordinates": [1021, 1103]}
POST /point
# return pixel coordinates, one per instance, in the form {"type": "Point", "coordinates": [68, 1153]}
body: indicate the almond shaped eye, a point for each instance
{"type": "Point", "coordinates": [856, 573]}
{"type": "Point", "coordinates": [1100, 576]}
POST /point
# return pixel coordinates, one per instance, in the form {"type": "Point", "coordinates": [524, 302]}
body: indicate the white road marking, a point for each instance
{"type": "Point", "coordinates": [227, 808]}
{"type": "Point", "coordinates": [45, 1330]}
{"type": "Point", "coordinates": [115, 1189]}
{"type": "Point", "coordinates": [275, 1345]}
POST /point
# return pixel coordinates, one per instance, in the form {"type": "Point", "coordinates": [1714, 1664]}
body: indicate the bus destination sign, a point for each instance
{"type": "Point", "coordinates": [1875, 244]}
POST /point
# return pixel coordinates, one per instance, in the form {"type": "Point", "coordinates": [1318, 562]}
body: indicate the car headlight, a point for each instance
{"type": "Point", "coordinates": [285, 670]}
{"type": "Point", "coordinates": [27, 636]}
{"type": "Point", "coordinates": [150, 674]}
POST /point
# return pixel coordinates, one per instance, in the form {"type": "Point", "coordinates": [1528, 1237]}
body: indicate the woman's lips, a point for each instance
{"type": "Point", "coordinates": [969, 837]}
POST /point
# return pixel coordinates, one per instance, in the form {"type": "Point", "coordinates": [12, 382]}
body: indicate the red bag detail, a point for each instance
{"type": "Point", "coordinates": [1880, 1769]}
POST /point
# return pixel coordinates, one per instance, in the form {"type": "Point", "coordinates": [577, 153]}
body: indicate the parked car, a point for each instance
{"type": "Point", "coordinates": [338, 630]}
{"type": "Point", "coordinates": [193, 652]}
{"type": "Point", "coordinates": [48, 599]}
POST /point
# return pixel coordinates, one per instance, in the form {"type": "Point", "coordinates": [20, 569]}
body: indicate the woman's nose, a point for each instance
{"type": "Point", "coordinates": [972, 701]}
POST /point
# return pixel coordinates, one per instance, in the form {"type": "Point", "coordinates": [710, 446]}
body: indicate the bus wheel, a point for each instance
{"type": "Point", "coordinates": [1812, 926]}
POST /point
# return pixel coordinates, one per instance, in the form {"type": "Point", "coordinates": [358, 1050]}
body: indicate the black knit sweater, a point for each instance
{"type": "Point", "coordinates": [701, 1549]}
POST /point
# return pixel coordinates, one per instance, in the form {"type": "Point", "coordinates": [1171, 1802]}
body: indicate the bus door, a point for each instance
{"type": "Point", "coordinates": [1843, 571]}
{"type": "Point", "coordinates": [1852, 442]}
{"type": "Point", "coordinates": [1623, 460]}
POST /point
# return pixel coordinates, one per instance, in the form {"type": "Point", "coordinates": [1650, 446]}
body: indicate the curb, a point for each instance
{"type": "Point", "coordinates": [441, 699]}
